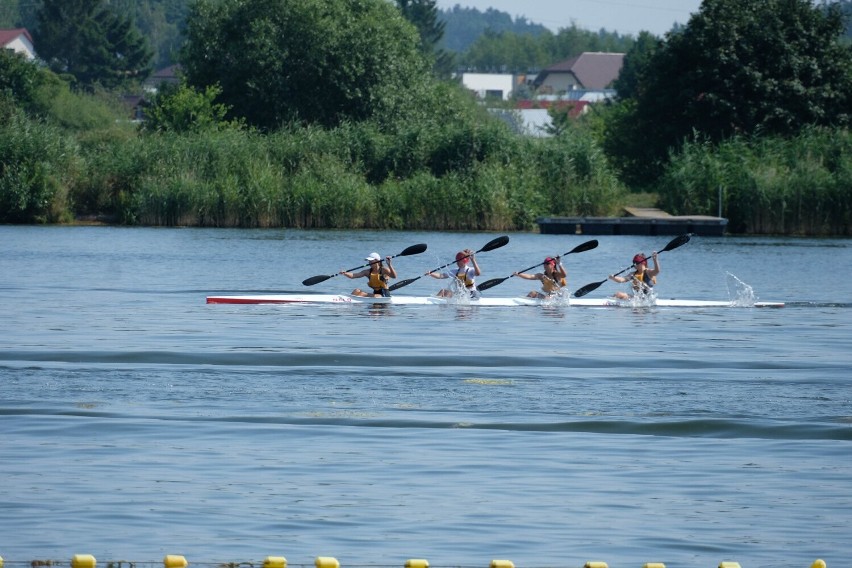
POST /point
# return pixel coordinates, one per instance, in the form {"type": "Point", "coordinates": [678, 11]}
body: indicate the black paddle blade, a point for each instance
{"type": "Point", "coordinates": [676, 242]}
{"type": "Point", "coordinates": [496, 243]}
{"type": "Point", "coordinates": [413, 249]}
{"type": "Point", "coordinates": [588, 245]}
{"type": "Point", "coordinates": [490, 283]}
{"type": "Point", "coordinates": [317, 279]}
{"type": "Point", "coordinates": [588, 288]}
{"type": "Point", "coordinates": [401, 283]}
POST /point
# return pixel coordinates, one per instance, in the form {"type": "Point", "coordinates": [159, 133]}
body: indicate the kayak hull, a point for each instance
{"type": "Point", "coordinates": [496, 302]}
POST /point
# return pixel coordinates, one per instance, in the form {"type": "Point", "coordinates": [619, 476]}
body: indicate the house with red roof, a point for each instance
{"type": "Point", "coordinates": [18, 40]}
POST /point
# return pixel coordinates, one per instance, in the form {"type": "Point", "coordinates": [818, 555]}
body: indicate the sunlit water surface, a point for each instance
{"type": "Point", "coordinates": [137, 421]}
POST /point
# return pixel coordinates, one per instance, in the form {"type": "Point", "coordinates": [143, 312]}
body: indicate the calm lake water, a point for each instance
{"type": "Point", "coordinates": [137, 421]}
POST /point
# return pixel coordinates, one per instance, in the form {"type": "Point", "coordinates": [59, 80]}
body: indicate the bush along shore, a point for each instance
{"type": "Point", "coordinates": [476, 176]}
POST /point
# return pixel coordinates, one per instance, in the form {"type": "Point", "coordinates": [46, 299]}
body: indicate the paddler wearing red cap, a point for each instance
{"type": "Point", "coordinates": [552, 279]}
{"type": "Point", "coordinates": [642, 278]}
{"type": "Point", "coordinates": [378, 275]}
{"type": "Point", "coordinates": [464, 274]}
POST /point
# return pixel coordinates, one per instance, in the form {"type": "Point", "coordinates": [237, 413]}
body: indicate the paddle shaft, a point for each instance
{"type": "Point", "coordinates": [673, 244]}
{"type": "Point", "coordinates": [490, 245]}
{"type": "Point", "coordinates": [413, 249]}
{"type": "Point", "coordinates": [588, 245]}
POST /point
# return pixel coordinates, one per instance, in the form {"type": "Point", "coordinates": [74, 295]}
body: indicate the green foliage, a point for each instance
{"type": "Point", "coordinates": [9, 14]}
{"type": "Point", "coordinates": [81, 111]}
{"type": "Point", "coordinates": [183, 109]}
{"type": "Point", "coordinates": [41, 93]}
{"type": "Point", "coordinates": [798, 185]}
{"type": "Point", "coordinates": [305, 61]}
{"type": "Point", "coordinates": [636, 60]}
{"type": "Point", "coordinates": [20, 80]}
{"type": "Point", "coordinates": [37, 164]}
{"type": "Point", "coordinates": [509, 52]}
{"type": "Point", "coordinates": [160, 21]}
{"type": "Point", "coordinates": [472, 176]}
{"type": "Point", "coordinates": [93, 44]}
{"type": "Point", "coordinates": [738, 68]}
{"type": "Point", "coordinates": [575, 175]}
{"type": "Point", "coordinates": [424, 15]}
{"type": "Point", "coordinates": [465, 25]}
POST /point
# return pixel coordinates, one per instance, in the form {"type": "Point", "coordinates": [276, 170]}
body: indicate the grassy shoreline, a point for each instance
{"type": "Point", "coordinates": [478, 176]}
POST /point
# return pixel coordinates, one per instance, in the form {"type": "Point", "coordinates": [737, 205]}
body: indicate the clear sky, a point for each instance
{"type": "Point", "coordinates": [622, 16]}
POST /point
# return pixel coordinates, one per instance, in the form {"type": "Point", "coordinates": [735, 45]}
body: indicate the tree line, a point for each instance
{"type": "Point", "coordinates": [748, 99]}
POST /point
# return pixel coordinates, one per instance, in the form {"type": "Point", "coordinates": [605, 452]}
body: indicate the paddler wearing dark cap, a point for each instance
{"type": "Point", "coordinates": [553, 279]}
{"type": "Point", "coordinates": [642, 279]}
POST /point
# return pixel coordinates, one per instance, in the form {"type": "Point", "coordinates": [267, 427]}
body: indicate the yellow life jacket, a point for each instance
{"type": "Point", "coordinates": [378, 281]}
{"type": "Point", "coordinates": [464, 276]}
{"type": "Point", "coordinates": [643, 283]}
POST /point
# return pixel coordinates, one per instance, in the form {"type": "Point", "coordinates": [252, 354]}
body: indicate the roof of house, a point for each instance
{"type": "Point", "coordinates": [166, 73]}
{"type": "Point", "coordinates": [593, 70]}
{"type": "Point", "coordinates": [8, 36]}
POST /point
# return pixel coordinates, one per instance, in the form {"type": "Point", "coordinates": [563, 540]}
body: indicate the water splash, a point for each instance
{"type": "Point", "coordinates": [646, 300]}
{"type": "Point", "coordinates": [559, 298]}
{"type": "Point", "coordinates": [740, 293]}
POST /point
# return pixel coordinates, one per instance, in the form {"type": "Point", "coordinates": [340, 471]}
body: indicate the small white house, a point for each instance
{"type": "Point", "coordinates": [19, 41]}
{"type": "Point", "coordinates": [490, 85]}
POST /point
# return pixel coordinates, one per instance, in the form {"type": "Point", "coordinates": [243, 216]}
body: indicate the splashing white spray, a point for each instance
{"type": "Point", "coordinates": [742, 294]}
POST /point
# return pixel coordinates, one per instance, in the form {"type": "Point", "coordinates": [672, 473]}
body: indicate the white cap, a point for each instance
{"type": "Point", "coordinates": [373, 256]}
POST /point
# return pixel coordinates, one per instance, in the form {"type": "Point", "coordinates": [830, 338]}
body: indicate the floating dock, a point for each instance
{"type": "Point", "coordinates": [639, 221]}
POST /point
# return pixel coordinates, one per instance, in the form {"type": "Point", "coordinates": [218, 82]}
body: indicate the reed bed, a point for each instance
{"type": "Point", "coordinates": [477, 178]}
{"type": "Point", "coordinates": [463, 175]}
{"type": "Point", "coordinates": [769, 185]}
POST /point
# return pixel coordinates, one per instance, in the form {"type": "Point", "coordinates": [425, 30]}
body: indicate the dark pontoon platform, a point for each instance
{"type": "Point", "coordinates": [642, 221]}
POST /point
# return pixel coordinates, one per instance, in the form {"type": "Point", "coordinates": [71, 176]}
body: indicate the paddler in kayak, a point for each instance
{"type": "Point", "coordinates": [378, 275]}
{"type": "Point", "coordinates": [463, 275]}
{"type": "Point", "coordinates": [642, 279]}
{"type": "Point", "coordinates": [553, 279]}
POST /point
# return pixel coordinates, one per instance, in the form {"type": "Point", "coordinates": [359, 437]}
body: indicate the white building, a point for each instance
{"type": "Point", "coordinates": [490, 85]}
{"type": "Point", "coordinates": [19, 41]}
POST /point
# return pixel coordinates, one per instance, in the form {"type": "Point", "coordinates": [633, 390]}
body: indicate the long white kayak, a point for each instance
{"type": "Point", "coordinates": [506, 302]}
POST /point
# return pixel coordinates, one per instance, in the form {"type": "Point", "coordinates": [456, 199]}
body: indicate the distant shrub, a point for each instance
{"type": "Point", "coordinates": [38, 163]}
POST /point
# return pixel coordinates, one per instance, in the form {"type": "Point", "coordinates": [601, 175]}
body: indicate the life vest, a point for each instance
{"type": "Point", "coordinates": [378, 281]}
{"type": "Point", "coordinates": [465, 276]}
{"type": "Point", "coordinates": [644, 282]}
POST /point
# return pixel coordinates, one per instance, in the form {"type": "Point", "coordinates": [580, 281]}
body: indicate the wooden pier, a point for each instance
{"type": "Point", "coordinates": [639, 221]}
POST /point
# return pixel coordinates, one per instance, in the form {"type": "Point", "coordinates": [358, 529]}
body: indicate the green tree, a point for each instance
{"type": "Point", "coordinates": [305, 61]}
{"type": "Point", "coordinates": [738, 68]}
{"type": "Point", "coordinates": [465, 25]}
{"type": "Point", "coordinates": [9, 14]}
{"type": "Point", "coordinates": [521, 52]}
{"type": "Point", "coordinates": [183, 109]}
{"type": "Point", "coordinates": [93, 44]}
{"type": "Point", "coordinates": [19, 80]}
{"type": "Point", "coordinates": [425, 17]}
{"type": "Point", "coordinates": [635, 62]}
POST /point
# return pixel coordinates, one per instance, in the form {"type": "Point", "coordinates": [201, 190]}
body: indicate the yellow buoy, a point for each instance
{"type": "Point", "coordinates": [275, 562]}
{"type": "Point", "coordinates": [729, 565]}
{"type": "Point", "coordinates": [326, 562]}
{"type": "Point", "coordinates": [502, 564]}
{"type": "Point", "coordinates": [818, 563]}
{"type": "Point", "coordinates": [1, 562]}
{"type": "Point", "coordinates": [83, 561]}
{"type": "Point", "coordinates": [416, 563]}
{"type": "Point", "coordinates": [175, 561]}
{"type": "Point", "coordinates": [596, 564]}
{"type": "Point", "coordinates": [653, 565]}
